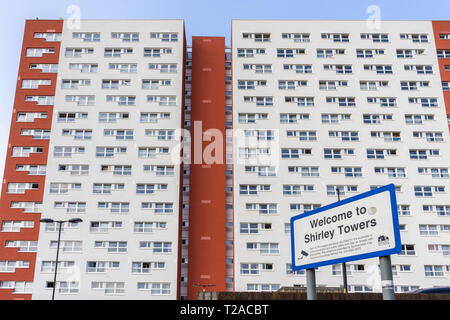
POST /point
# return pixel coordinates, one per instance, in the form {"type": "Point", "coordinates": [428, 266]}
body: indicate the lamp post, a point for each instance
{"type": "Point", "coordinates": [344, 265]}
{"type": "Point", "coordinates": [60, 223]}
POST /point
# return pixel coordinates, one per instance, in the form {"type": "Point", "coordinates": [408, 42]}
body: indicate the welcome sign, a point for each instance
{"type": "Point", "coordinates": [356, 228]}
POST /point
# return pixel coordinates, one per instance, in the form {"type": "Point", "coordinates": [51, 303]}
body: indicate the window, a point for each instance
{"type": "Point", "coordinates": [126, 36]}
{"type": "Point", "coordinates": [165, 36]}
{"type": "Point", "coordinates": [434, 172]}
{"type": "Point", "coordinates": [117, 52]}
{"type": "Point", "coordinates": [30, 116]}
{"type": "Point", "coordinates": [248, 228]}
{"type": "Point", "coordinates": [258, 37]}
{"type": "Point", "coordinates": [420, 69]}
{"type": "Point", "coordinates": [15, 226]}
{"type": "Point", "coordinates": [161, 247]}
{"type": "Point", "coordinates": [67, 246]}
{"type": "Point", "coordinates": [38, 52]}
{"type": "Point", "coordinates": [380, 69]}
{"type": "Point", "coordinates": [78, 52]}
{"type": "Point", "coordinates": [428, 230]}
{"type": "Point", "coordinates": [403, 210]}
{"type": "Point", "coordinates": [49, 37]}
{"type": "Point", "coordinates": [252, 189]}
{"type": "Point", "coordinates": [289, 53]}
{"type": "Point", "coordinates": [25, 151]}
{"type": "Point", "coordinates": [298, 68]}
{"type": "Point", "coordinates": [375, 37]}
{"type": "Point", "coordinates": [28, 207]}
{"type": "Point", "coordinates": [291, 153]}
{"type": "Point", "coordinates": [417, 118]}
{"type": "Point", "coordinates": [336, 37]}
{"type": "Point", "coordinates": [163, 67]}
{"type": "Point", "coordinates": [155, 288]}
{"type": "Point", "coordinates": [408, 53]}
{"type": "Point", "coordinates": [124, 67]}
{"type": "Point", "coordinates": [258, 68]}
{"type": "Point", "coordinates": [45, 68]}
{"type": "Point", "coordinates": [156, 52]}
{"type": "Point", "coordinates": [115, 207]}
{"type": "Point", "coordinates": [110, 288]}
{"type": "Point", "coordinates": [430, 136]}
{"type": "Point", "coordinates": [415, 37]}
{"type": "Point", "coordinates": [344, 135]}
{"type": "Point", "coordinates": [249, 269]}
{"type": "Point", "coordinates": [161, 134]}
{"type": "Point", "coordinates": [149, 188]}
{"type": "Point", "coordinates": [427, 191]}
{"type": "Point", "coordinates": [348, 171]}
{"type": "Point", "coordinates": [433, 271]}
{"type": "Point", "coordinates": [332, 189]}
{"type": "Point", "coordinates": [300, 101]}
{"type": "Point", "coordinates": [376, 118]}
{"type": "Point", "coordinates": [84, 67]}
{"type": "Point", "coordinates": [413, 85]}
{"type": "Point", "coordinates": [373, 85]}
{"type": "Point", "coordinates": [23, 246]}
{"type": "Point", "coordinates": [21, 187]}
{"type": "Point", "coordinates": [87, 36]}
{"type": "Point", "coordinates": [63, 266]}
{"type": "Point", "coordinates": [81, 100]}
{"type": "Point", "coordinates": [305, 171]}
{"type": "Point", "coordinates": [329, 53]}
{"type": "Point", "coordinates": [297, 37]}
{"type": "Point", "coordinates": [162, 100]}
{"type": "Point", "coordinates": [408, 250]}
{"type": "Point", "coordinates": [368, 53]}
{"type": "Point", "coordinates": [342, 101]}
{"type": "Point", "coordinates": [422, 154]}
{"type": "Point", "coordinates": [441, 210]}
{"type": "Point", "coordinates": [380, 153]}
{"type": "Point", "coordinates": [71, 207]}
{"type": "Point", "coordinates": [425, 102]}
{"type": "Point", "coordinates": [34, 84]}
{"type": "Point", "coordinates": [392, 172]}
{"type": "Point", "coordinates": [21, 287]}
{"type": "Point", "coordinates": [340, 69]}
{"type": "Point", "coordinates": [107, 152]}
{"type": "Point", "coordinates": [119, 134]}
{"type": "Point", "coordinates": [443, 54]}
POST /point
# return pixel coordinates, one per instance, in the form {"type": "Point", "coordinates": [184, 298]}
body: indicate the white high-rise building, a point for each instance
{"type": "Point", "coordinates": [314, 107]}
{"type": "Point", "coordinates": [117, 113]}
{"type": "Point", "coordinates": [336, 104]}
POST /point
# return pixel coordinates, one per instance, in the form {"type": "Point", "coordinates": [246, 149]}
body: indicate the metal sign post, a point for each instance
{"type": "Point", "coordinates": [387, 284]}
{"type": "Point", "coordinates": [344, 265]}
{"type": "Point", "coordinates": [360, 227]}
{"type": "Point", "coordinates": [311, 284]}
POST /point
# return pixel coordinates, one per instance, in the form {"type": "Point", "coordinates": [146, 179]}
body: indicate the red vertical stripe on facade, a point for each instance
{"type": "Point", "coordinates": [443, 27]}
{"type": "Point", "coordinates": [17, 140]}
{"type": "Point", "coordinates": [207, 206]}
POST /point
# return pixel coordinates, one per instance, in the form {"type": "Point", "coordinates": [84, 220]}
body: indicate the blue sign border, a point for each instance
{"type": "Point", "coordinates": [396, 249]}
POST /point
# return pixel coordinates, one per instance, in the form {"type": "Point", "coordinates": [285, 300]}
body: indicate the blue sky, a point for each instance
{"type": "Point", "coordinates": [202, 18]}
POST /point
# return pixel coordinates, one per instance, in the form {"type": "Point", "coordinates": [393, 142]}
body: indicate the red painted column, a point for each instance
{"type": "Point", "coordinates": [17, 140]}
{"type": "Point", "coordinates": [443, 27]}
{"type": "Point", "coordinates": [207, 215]}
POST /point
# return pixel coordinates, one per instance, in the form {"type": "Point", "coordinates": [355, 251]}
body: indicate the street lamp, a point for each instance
{"type": "Point", "coordinates": [59, 222]}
